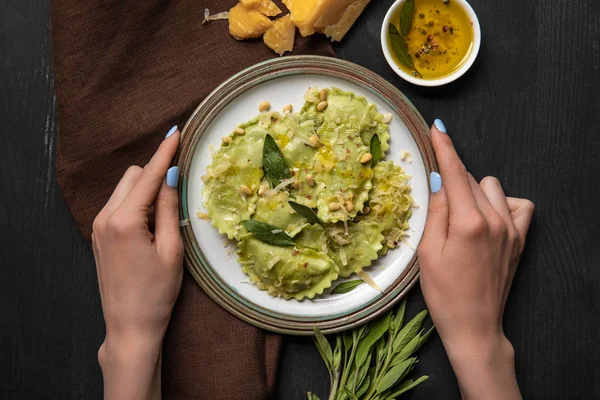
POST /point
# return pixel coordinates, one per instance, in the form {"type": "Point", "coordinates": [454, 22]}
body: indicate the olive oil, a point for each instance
{"type": "Point", "coordinates": [440, 39]}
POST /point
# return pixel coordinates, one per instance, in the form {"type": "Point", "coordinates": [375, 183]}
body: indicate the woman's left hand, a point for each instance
{"type": "Point", "coordinates": [139, 268]}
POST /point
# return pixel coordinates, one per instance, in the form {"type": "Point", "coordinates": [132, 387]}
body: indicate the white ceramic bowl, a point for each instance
{"type": "Point", "coordinates": [431, 82]}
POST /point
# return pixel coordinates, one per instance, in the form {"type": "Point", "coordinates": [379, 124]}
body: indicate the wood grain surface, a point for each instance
{"type": "Point", "coordinates": [528, 112]}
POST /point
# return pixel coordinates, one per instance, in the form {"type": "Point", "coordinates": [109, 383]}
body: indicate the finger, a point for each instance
{"type": "Point", "coordinates": [166, 230]}
{"type": "Point", "coordinates": [480, 198]}
{"type": "Point", "coordinates": [129, 179]}
{"type": "Point", "coordinates": [436, 227]}
{"type": "Point", "coordinates": [493, 191]}
{"type": "Point", "coordinates": [145, 190]}
{"type": "Point", "coordinates": [521, 212]}
{"type": "Point", "coordinates": [456, 181]}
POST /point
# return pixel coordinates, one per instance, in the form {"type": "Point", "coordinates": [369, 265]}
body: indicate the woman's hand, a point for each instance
{"type": "Point", "coordinates": [472, 244]}
{"type": "Point", "coordinates": [139, 272]}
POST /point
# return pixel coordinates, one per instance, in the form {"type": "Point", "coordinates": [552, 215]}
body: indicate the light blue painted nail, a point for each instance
{"type": "Point", "coordinates": [435, 182]}
{"type": "Point", "coordinates": [171, 131]}
{"type": "Point", "coordinates": [173, 177]}
{"type": "Point", "coordinates": [440, 125]}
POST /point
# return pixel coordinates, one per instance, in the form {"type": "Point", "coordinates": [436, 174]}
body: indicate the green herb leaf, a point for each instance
{"type": "Point", "coordinates": [348, 339]}
{"type": "Point", "coordinates": [349, 393]}
{"type": "Point", "coordinates": [347, 286]}
{"type": "Point", "coordinates": [406, 17]}
{"type": "Point", "coordinates": [407, 333]}
{"type": "Point", "coordinates": [324, 348]}
{"type": "Point", "coordinates": [306, 212]}
{"type": "Point", "coordinates": [379, 327]}
{"type": "Point", "coordinates": [399, 47]}
{"type": "Point", "coordinates": [392, 376]}
{"type": "Point", "coordinates": [269, 234]}
{"type": "Point", "coordinates": [406, 351]}
{"type": "Point", "coordinates": [312, 396]}
{"type": "Point", "coordinates": [399, 317]}
{"type": "Point", "coordinates": [375, 150]}
{"type": "Point", "coordinates": [337, 353]}
{"type": "Point", "coordinates": [363, 387]}
{"type": "Point", "coordinates": [406, 386]}
{"type": "Point", "coordinates": [423, 338]}
{"type": "Point", "coordinates": [274, 164]}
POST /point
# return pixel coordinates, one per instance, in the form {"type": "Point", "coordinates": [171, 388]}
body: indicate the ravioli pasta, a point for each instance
{"type": "Point", "coordinates": [362, 209]}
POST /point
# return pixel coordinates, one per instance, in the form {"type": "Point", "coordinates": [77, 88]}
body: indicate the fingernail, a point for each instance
{"type": "Point", "coordinates": [440, 125]}
{"type": "Point", "coordinates": [171, 131]}
{"type": "Point", "coordinates": [173, 177]}
{"type": "Point", "coordinates": [435, 182]}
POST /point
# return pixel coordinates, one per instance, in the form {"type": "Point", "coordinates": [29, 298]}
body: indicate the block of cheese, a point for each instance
{"type": "Point", "coordinates": [333, 16]}
{"type": "Point", "coordinates": [280, 36]}
{"type": "Point", "coordinates": [339, 29]}
{"type": "Point", "coordinates": [247, 23]}
{"type": "Point", "coordinates": [266, 7]}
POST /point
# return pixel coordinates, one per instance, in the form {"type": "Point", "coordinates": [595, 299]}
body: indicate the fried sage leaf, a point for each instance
{"type": "Point", "coordinates": [276, 169]}
{"type": "Point", "coordinates": [269, 234]}
{"type": "Point", "coordinates": [306, 212]}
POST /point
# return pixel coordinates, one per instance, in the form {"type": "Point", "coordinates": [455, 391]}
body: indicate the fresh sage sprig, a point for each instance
{"type": "Point", "coordinates": [375, 149]}
{"type": "Point", "coordinates": [372, 361]}
{"type": "Point", "coordinates": [347, 286]}
{"type": "Point", "coordinates": [269, 234]}
{"type": "Point", "coordinates": [306, 212]}
{"type": "Point", "coordinates": [275, 167]}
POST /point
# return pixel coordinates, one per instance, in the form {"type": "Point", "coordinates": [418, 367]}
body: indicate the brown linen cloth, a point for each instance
{"type": "Point", "coordinates": [125, 72]}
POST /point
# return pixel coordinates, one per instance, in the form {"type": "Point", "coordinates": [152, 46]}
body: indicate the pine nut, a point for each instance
{"type": "Point", "coordinates": [227, 139]}
{"type": "Point", "coordinates": [349, 206]}
{"type": "Point", "coordinates": [287, 108]}
{"type": "Point", "coordinates": [239, 131]}
{"type": "Point", "coordinates": [334, 206]}
{"type": "Point", "coordinates": [264, 106]}
{"type": "Point", "coordinates": [313, 140]}
{"type": "Point", "coordinates": [296, 185]}
{"type": "Point", "coordinates": [262, 190]}
{"type": "Point", "coordinates": [366, 210]}
{"type": "Point", "coordinates": [366, 158]}
{"type": "Point", "coordinates": [321, 106]}
{"type": "Point", "coordinates": [387, 118]}
{"type": "Point", "coordinates": [245, 190]}
{"type": "Point", "coordinates": [310, 180]}
{"type": "Point", "coordinates": [323, 95]}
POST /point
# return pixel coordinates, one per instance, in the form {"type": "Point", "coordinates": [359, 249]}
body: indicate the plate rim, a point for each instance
{"type": "Point", "coordinates": [200, 269]}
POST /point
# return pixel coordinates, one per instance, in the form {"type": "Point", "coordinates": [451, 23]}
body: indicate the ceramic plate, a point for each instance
{"type": "Point", "coordinates": [214, 265]}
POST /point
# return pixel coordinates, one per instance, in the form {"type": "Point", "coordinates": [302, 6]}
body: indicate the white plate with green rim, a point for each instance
{"type": "Point", "coordinates": [284, 81]}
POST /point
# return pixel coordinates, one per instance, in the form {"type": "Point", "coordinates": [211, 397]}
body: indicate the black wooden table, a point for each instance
{"type": "Point", "coordinates": [528, 112]}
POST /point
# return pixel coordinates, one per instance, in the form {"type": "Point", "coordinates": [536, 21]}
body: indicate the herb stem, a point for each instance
{"type": "Point", "coordinates": [348, 366]}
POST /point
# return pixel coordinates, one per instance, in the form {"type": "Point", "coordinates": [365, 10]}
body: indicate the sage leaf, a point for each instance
{"type": "Point", "coordinates": [363, 387]}
{"type": "Point", "coordinates": [337, 353]}
{"type": "Point", "coordinates": [378, 328]}
{"type": "Point", "coordinates": [348, 339]}
{"type": "Point", "coordinates": [362, 373]}
{"type": "Point", "coordinates": [406, 386]}
{"type": "Point", "coordinates": [312, 396]}
{"type": "Point", "coordinates": [406, 17]}
{"type": "Point", "coordinates": [407, 350]}
{"type": "Point", "coordinates": [276, 169]}
{"type": "Point", "coordinates": [399, 317]}
{"type": "Point", "coordinates": [269, 234]}
{"type": "Point", "coordinates": [347, 286]}
{"type": "Point", "coordinates": [399, 47]}
{"type": "Point", "coordinates": [409, 331]}
{"type": "Point", "coordinates": [324, 348]}
{"type": "Point", "coordinates": [306, 212]}
{"type": "Point", "coordinates": [392, 376]}
{"type": "Point", "coordinates": [349, 393]}
{"type": "Point", "coordinates": [423, 338]}
{"type": "Point", "coordinates": [375, 148]}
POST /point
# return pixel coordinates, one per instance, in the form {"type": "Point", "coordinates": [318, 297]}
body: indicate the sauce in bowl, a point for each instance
{"type": "Point", "coordinates": [440, 40]}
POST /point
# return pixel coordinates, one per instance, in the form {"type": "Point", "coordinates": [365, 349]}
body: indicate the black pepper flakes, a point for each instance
{"type": "Point", "coordinates": [421, 15]}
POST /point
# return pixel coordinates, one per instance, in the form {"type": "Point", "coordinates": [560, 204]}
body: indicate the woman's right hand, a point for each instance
{"type": "Point", "coordinates": [473, 241]}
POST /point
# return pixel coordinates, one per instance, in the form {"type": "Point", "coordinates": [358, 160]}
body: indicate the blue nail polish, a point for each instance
{"type": "Point", "coordinates": [435, 182]}
{"type": "Point", "coordinates": [173, 177]}
{"type": "Point", "coordinates": [440, 125]}
{"type": "Point", "coordinates": [171, 131]}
